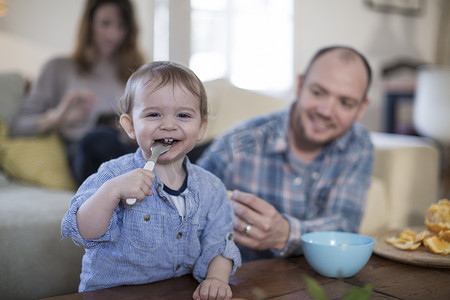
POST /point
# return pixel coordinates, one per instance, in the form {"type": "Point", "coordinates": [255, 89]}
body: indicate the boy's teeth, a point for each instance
{"type": "Point", "coordinates": [168, 141]}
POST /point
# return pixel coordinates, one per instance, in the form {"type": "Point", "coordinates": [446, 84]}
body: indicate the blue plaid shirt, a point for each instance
{"type": "Point", "coordinates": [149, 241]}
{"type": "Point", "coordinates": [326, 194]}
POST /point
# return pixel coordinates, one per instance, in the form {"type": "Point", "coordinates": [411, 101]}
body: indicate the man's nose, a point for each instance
{"type": "Point", "coordinates": [326, 106]}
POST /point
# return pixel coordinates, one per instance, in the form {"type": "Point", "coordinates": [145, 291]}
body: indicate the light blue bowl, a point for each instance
{"type": "Point", "coordinates": [337, 254]}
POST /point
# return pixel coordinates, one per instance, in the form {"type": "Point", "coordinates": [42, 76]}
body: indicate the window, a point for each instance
{"type": "Point", "coordinates": [249, 42]}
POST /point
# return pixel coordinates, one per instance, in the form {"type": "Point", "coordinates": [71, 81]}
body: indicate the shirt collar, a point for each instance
{"type": "Point", "coordinates": [342, 142]}
{"type": "Point", "coordinates": [280, 144]}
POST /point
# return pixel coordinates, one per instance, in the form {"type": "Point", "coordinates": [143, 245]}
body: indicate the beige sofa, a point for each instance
{"type": "Point", "coordinates": [36, 263]}
{"type": "Point", "coordinates": [35, 191]}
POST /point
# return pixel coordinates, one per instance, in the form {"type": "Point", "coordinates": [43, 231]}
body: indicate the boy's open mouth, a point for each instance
{"type": "Point", "coordinates": [166, 141]}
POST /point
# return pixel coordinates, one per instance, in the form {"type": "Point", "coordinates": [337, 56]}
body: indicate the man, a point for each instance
{"type": "Point", "coordinates": [304, 169]}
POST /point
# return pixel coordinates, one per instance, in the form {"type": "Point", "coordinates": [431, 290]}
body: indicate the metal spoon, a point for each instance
{"type": "Point", "coordinates": [157, 149]}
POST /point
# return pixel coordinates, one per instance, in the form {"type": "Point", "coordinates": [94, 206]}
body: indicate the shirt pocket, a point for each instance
{"type": "Point", "coordinates": [193, 228]}
{"type": "Point", "coordinates": [193, 248]}
{"type": "Point", "coordinates": [144, 230]}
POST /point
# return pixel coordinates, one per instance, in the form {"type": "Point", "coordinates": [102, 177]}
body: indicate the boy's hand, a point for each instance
{"type": "Point", "coordinates": [134, 184]}
{"type": "Point", "coordinates": [212, 288]}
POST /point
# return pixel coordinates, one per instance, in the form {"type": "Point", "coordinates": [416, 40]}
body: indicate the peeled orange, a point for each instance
{"type": "Point", "coordinates": [436, 239]}
{"type": "Point", "coordinates": [437, 218]}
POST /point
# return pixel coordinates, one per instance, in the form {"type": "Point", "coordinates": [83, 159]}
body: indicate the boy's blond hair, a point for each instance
{"type": "Point", "coordinates": [159, 74]}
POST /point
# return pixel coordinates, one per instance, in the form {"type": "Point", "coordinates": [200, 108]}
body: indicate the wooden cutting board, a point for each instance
{"type": "Point", "coordinates": [420, 256]}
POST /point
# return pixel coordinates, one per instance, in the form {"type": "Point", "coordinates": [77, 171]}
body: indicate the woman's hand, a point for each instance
{"type": "Point", "coordinates": [75, 107]}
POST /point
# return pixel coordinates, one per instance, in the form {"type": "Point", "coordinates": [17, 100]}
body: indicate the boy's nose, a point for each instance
{"type": "Point", "coordinates": [168, 123]}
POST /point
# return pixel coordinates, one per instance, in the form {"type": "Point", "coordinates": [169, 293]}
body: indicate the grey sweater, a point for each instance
{"type": "Point", "coordinates": [59, 76]}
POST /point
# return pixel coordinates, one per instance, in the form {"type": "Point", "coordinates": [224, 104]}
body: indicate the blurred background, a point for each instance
{"type": "Point", "coordinates": [259, 45]}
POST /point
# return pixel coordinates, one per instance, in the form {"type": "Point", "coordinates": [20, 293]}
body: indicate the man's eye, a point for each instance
{"type": "Point", "coordinates": [152, 115]}
{"type": "Point", "coordinates": [316, 92]}
{"type": "Point", "coordinates": [348, 104]}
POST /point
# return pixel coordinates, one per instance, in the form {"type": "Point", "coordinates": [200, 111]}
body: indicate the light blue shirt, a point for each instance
{"type": "Point", "coordinates": [149, 241]}
{"type": "Point", "coordinates": [326, 194]}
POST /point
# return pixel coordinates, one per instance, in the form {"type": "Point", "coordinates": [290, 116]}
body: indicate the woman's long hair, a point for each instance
{"type": "Point", "coordinates": [128, 57]}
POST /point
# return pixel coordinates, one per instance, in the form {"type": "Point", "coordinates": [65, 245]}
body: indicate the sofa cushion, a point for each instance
{"type": "Point", "coordinates": [12, 86]}
{"type": "Point", "coordinates": [35, 261]}
{"type": "Point", "coordinates": [229, 105]}
{"type": "Point", "coordinates": [36, 160]}
{"type": "Point", "coordinates": [376, 216]}
{"type": "Point", "coordinates": [3, 179]}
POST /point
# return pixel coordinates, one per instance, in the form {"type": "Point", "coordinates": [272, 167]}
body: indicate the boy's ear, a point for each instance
{"type": "Point", "coordinates": [127, 124]}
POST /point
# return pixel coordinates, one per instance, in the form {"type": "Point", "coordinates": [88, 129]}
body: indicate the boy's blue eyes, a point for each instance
{"type": "Point", "coordinates": [155, 115]}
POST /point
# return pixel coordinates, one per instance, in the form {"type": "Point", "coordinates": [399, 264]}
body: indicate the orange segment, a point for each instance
{"type": "Point", "coordinates": [407, 239]}
{"type": "Point", "coordinates": [444, 235]}
{"type": "Point", "coordinates": [436, 245]}
{"type": "Point", "coordinates": [405, 245]}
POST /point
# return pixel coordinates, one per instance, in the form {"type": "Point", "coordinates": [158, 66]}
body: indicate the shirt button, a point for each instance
{"type": "Point", "coordinates": [159, 187]}
{"type": "Point", "coordinates": [230, 237]}
{"type": "Point", "coordinates": [179, 235]}
{"type": "Point", "coordinates": [315, 175]}
{"type": "Point", "coordinates": [298, 181]}
{"type": "Point", "coordinates": [177, 268]}
{"type": "Point", "coordinates": [147, 217]}
{"type": "Point", "coordinates": [164, 198]}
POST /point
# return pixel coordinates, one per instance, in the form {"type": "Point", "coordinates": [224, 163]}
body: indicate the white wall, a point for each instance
{"type": "Point", "coordinates": [35, 30]}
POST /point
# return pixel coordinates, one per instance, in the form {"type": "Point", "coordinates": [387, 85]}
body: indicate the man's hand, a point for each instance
{"type": "Point", "coordinates": [258, 225]}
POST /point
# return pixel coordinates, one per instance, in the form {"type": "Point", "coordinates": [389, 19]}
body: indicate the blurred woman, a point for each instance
{"type": "Point", "coordinates": [76, 96]}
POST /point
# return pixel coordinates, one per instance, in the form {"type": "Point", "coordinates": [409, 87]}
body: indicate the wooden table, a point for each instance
{"type": "Point", "coordinates": [283, 279]}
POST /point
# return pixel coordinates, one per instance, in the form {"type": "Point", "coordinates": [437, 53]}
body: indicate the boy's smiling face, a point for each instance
{"type": "Point", "coordinates": [170, 113]}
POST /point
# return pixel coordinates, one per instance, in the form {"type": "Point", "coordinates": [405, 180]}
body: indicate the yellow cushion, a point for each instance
{"type": "Point", "coordinates": [36, 160]}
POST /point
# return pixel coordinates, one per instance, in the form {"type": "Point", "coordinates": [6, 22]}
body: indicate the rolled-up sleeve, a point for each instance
{"type": "Point", "coordinates": [218, 239]}
{"type": "Point", "coordinates": [69, 228]}
{"type": "Point", "coordinates": [69, 225]}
